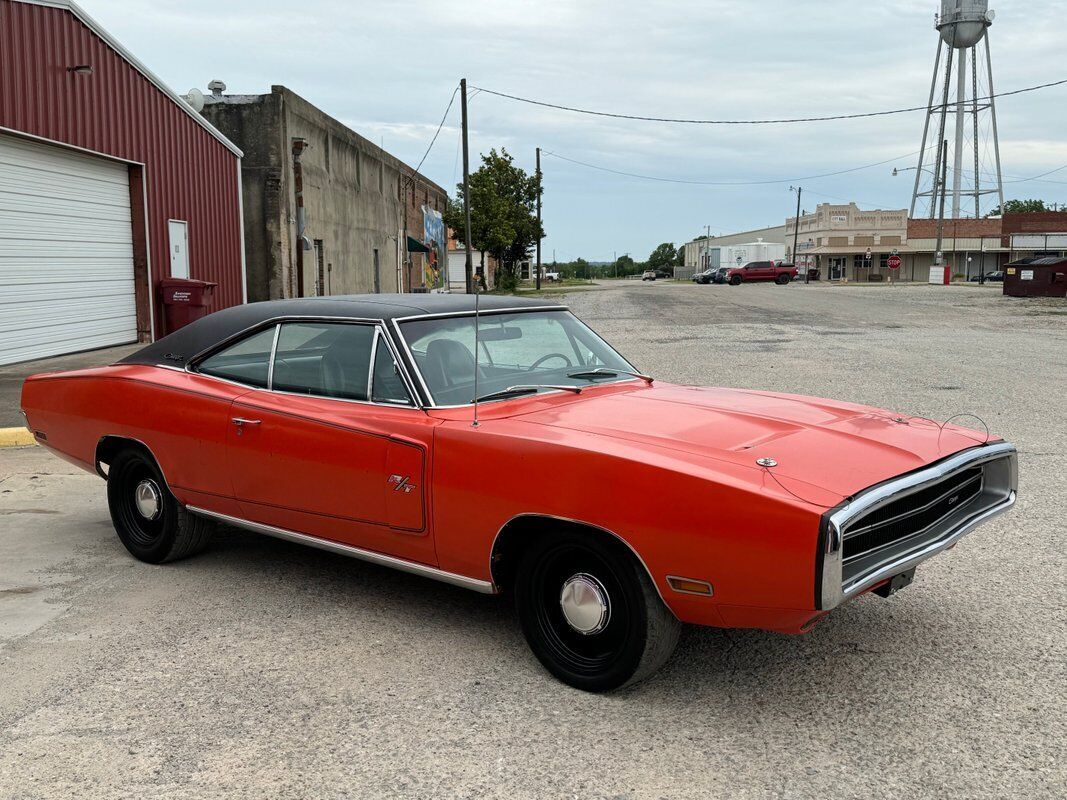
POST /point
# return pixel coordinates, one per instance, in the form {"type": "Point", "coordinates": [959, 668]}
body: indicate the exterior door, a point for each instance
{"type": "Point", "coordinates": [317, 454]}
{"type": "Point", "coordinates": [178, 234]}
{"type": "Point", "coordinates": [761, 271]}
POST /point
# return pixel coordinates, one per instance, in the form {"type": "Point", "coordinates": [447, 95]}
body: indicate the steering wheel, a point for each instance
{"type": "Point", "coordinates": [543, 359]}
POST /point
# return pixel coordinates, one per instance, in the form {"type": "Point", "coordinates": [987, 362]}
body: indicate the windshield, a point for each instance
{"type": "Point", "coordinates": [526, 348]}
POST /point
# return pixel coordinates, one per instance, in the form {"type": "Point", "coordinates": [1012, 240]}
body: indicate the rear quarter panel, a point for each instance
{"type": "Point", "coordinates": [181, 418]}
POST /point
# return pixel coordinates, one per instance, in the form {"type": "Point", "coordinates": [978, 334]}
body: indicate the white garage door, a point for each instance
{"type": "Point", "coordinates": [66, 252]}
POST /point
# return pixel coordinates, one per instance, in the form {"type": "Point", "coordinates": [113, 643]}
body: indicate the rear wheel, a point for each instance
{"type": "Point", "coordinates": [782, 279]}
{"type": "Point", "coordinates": [148, 519]}
{"type": "Point", "coordinates": [591, 614]}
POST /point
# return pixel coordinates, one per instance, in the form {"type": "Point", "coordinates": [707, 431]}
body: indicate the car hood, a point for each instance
{"type": "Point", "coordinates": [839, 447]}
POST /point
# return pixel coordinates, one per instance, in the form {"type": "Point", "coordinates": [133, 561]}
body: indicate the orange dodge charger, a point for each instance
{"type": "Point", "coordinates": [514, 450]}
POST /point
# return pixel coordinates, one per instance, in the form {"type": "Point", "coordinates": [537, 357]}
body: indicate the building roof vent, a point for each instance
{"type": "Point", "coordinates": [216, 87]}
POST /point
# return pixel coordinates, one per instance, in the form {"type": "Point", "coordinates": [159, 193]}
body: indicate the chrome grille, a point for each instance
{"type": "Point", "coordinates": [892, 526]}
{"type": "Point", "coordinates": [911, 515]}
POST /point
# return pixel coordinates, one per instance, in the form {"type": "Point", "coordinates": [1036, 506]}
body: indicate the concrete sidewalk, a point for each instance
{"type": "Point", "coordinates": [11, 377]}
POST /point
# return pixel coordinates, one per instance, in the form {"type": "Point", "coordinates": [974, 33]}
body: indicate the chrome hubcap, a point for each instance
{"type": "Point", "coordinates": [148, 499]}
{"type": "Point", "coordinates": [585, 604]}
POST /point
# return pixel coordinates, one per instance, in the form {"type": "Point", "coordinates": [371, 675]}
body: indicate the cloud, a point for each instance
{"type": "Point", "coordinates": [388, 69]}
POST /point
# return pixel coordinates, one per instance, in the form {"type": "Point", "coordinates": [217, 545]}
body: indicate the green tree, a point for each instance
{"type": "Point", "coordinates": [1019, 207]}
{"type": "Point", "coordinates": [624, 265]}
{"type": "Point", "coordinates": [503, 213]}
{"type": "Point", "coordinates": [663, 257]}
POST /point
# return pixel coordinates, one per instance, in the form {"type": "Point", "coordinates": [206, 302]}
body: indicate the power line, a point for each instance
{"type": "Point", "coordinates": [729, 183]}
{"type": "Point", "coordinates": [616, 115]}
{"type": "Point", "coordinates": [411, 178]}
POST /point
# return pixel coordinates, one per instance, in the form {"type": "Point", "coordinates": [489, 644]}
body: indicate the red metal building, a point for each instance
{"type": "Point", "coordinates": [109, 182]}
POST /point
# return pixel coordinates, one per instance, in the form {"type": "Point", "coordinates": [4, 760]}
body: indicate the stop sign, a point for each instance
{"type": "Point", "coordinates": [893, 262]}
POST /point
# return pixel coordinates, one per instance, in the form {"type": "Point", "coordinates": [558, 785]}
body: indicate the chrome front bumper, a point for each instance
{"type": "Point", "coordinates": [999, 464]}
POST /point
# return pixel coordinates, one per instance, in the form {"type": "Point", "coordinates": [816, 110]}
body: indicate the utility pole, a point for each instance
{"type": "Point", "coordinates": [707, 248]}
{"type": "Point", "coordinates": [796, 232]}
{"type": "Point", "coordinates": [538, 284]}
{"type": "Point", "coordinates": [468, 266]}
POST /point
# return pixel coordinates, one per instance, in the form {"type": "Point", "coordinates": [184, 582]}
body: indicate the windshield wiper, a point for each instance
{"type": "Point", "coordinates": [604, 372]}
{"type": "Point", "coordinates": [532, 388]}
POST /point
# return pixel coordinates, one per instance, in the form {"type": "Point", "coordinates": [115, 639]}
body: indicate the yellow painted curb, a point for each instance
{"type": "Point", "coordinates": [15, 437]}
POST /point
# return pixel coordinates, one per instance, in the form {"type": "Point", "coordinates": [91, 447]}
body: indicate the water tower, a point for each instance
{"type": "Point", "coordinates": [974, 170]}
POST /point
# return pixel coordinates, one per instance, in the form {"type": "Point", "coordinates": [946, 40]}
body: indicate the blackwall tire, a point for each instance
{"type": "Point", "coordinates": [639, 632]}
{"type": "Point", "coordinates": [150, 522]}
{"type": "Point", "coordinates": [735, 280]}
{"type": "Point", "coordinates": [782, 280]}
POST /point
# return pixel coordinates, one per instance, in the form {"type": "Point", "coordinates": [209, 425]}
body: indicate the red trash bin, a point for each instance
{"type": "Point", "coordinates": [184, 301]}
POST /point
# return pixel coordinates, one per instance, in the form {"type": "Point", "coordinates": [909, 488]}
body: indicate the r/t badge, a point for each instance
{"type": "Point", "coordinates": [401, 483]}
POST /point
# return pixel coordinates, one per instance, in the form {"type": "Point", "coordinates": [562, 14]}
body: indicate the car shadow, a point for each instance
{"type": "Point", "coordinates": [866, 649]}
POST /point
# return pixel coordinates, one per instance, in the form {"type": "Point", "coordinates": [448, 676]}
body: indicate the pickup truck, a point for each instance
{"type": "Point", "coordinates": [762, 271]}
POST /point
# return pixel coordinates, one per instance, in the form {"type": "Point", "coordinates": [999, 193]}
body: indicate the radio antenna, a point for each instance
{"type": "Point", "coordinates": [477, 322]}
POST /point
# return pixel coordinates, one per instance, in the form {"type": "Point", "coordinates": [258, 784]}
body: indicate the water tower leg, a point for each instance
{"type": "Point", "coordinates": [961, 125]}
{"type": "Point", "coordinates": [926, 133]}
{"type": "Point", "coordinates": [939, 184]}
{"type": "Point", "coordinates": [993, 117]}
{"type": "Point", "coordinates": [974, 92]}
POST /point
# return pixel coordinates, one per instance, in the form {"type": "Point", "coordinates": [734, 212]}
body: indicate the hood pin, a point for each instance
{"type": "Point", "coordinates": [766, 462]}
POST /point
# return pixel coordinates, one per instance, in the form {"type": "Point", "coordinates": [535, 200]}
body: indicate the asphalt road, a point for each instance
{"type": "Point", "coordinates": [262, 669]}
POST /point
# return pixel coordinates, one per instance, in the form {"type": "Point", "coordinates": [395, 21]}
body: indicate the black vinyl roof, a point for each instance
{"type": "Point", "coordinates": [182, 345]}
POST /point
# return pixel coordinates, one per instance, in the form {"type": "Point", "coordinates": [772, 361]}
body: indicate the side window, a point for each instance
{"type": "Point", "coordinates": [324, 359]}
{"type": "Point", "coordinates": [246, 362]}
{"type": "Point", "coordinates": [388, 386]}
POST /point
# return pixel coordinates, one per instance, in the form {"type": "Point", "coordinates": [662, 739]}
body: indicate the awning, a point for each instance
{"type": "Point", "coordinates": [415, 246]}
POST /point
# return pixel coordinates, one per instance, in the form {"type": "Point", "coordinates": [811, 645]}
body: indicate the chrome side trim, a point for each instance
{"type": "Point", "coordinates": [630, 547]}
{"type": "Point", "coordinates": [832, 590]}
{"type": "Point", "coordinates": [484, 587]}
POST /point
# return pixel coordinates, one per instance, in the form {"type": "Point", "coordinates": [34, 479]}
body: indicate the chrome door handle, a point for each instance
{"type": "Point", "coordinates": [239, 421]}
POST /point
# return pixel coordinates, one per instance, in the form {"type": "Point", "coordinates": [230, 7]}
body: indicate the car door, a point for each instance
{"type": "Point", "coordinates": [334, 446]}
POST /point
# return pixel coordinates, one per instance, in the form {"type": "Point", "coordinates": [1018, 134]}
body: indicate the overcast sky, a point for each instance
{"type": "Point", "coordinates": [387, 69]}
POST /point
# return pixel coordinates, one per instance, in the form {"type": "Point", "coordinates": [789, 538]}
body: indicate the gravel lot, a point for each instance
{"type": "Point", "coordinates": [262, 669]}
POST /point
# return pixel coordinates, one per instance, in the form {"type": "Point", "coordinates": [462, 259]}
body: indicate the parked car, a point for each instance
{"type": "Point", "coordinates": [552, 277]}
{"type": "Point", "coordinates": [704, 277]}
{"type": "Point", "coordinates": [649, 275]}
{"type": "Point", "coordinates": [373, 427]}
{"type": "Point", "coordinates": [664, 274]}
{"type": "Point", "coordinates": [996, 276]}
{"type": "Point", "coordinates": [720, 275]}
{"type": "Point", "coordinates": [762, 271]}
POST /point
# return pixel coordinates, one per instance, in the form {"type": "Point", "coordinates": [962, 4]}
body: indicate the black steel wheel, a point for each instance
{"type": "Point", "coordinates": [735, 280]}
{"type": "Point", "coordinates": [150, 522]}
{"type": "Point", "coordinates": [590, 613]}
{"type": "Point", "coordinates": [782, 280]}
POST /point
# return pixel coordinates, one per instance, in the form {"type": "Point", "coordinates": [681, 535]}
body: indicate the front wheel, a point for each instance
{"type": "Point", "coordinates": [591, 614]}
{"type": "Point", "coordinates": [735, 280]}
{"type": "Point", "coordinates": [148, 519]}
